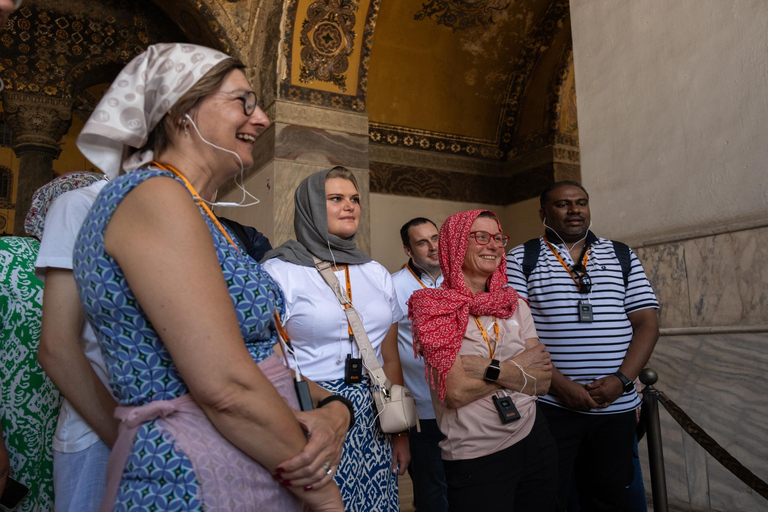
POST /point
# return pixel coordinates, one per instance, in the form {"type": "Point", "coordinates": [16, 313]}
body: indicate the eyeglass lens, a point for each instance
{"type": "Point", "coordinates": [484, 238]}
{"type": "Point", "coordinates": [249, 102]}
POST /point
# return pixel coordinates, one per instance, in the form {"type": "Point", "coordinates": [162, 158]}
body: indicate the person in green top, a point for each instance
{"type": "Point", "coordinates": [29, 403]}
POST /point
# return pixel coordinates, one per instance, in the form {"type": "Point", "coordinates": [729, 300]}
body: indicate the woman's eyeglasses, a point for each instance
{"type": "Point", "coordinates": [484, 238]}
{"type": "Point", "coordinates": [249, 102]}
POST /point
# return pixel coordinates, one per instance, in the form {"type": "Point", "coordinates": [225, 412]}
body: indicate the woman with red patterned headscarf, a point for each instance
{"type": "Point", "coordinates": [487, 368]}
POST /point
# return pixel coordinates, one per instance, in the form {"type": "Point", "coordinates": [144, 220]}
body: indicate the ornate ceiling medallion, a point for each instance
{"type": "Point", "coordinates": [327, 40]}
{"type": "Point", "coordinates": [463, 14]}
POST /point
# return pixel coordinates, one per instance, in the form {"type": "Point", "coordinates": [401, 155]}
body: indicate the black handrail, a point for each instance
{"type": "Point", "coordinates": [651, 398]}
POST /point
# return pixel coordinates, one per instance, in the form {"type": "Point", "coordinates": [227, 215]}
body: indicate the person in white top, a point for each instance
{"type": "Point", "coordinates": [420, 243]}
{"type": "Point", "coordinates": [70, 355]}
{"type": "Point", "coordinates": [326, 220]}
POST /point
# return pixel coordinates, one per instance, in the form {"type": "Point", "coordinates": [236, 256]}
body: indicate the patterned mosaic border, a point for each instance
{"type": "Point", "coordinates": [391, 135]}
{"type": "Point", "coordinates": [559, 79]}
{"type": "Point", "coordinates": [355, 103]}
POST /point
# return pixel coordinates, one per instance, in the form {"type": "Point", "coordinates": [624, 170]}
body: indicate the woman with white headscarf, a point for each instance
{"type": "Point", "coordinates": [181, 312]}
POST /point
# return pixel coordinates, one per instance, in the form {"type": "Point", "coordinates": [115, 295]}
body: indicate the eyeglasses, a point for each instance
{"type": "Point", "coordinates": [484, 238]}
{"type": "Point", "coordinates": [585, 283]}
{"type": "Point", "coordinates": [249, 102]}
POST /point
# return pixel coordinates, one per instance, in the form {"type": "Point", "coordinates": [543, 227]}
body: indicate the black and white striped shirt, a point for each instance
{"type": "Point", "coordinates": [584, 352]}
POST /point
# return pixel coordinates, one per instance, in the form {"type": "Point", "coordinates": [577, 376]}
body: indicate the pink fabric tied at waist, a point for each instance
{"type": "Point", "coordinates": [228, 478]}
{"type": "Point", "coordinates": [133, 417]}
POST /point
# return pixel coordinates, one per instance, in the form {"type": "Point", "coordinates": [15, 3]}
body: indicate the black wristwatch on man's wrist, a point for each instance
{"type": "Point", "coordinates": [628, 384]}
{"type": "Point", "coordinates": [493, 371]}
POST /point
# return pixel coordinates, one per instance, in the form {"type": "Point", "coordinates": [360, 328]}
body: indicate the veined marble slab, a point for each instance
{"type": "Point", "coordinates": [719, 381]}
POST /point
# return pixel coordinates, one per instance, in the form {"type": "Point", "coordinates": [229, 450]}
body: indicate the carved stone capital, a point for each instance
{"type": "Point", "coordinates": [37, 122]}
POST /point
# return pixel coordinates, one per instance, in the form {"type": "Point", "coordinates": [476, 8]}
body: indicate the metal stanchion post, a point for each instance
{"type": "Point", "coordinates": [653, 430]}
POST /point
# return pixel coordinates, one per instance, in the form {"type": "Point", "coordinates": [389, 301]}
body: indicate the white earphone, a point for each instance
{"type": "Point", "coordinates": [242, 170]}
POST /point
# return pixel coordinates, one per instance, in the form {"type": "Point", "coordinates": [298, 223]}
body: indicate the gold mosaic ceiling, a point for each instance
{"type": "Point", "coordinates": [485, 72]}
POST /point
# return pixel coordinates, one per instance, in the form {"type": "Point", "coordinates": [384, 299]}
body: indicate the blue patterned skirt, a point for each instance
{"type": "Point", "coordinates": [364, 474]}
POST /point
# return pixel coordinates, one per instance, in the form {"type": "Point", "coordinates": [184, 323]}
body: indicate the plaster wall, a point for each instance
{"type": "Point", "coordinates": [672, 116]}
{"type": "Point", "coordinates": [672, 113]}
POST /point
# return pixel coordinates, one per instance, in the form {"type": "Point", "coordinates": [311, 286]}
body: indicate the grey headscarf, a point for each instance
{"type": "Point", "coordinates": [311, 226]}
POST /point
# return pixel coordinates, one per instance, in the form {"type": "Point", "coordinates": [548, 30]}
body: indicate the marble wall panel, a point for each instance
{"type": "Point", "coordinates": [319, 146]}
{"type": "Point", "coordinates": [665, 267]}
{"type": "Point", "coordinates": [718, 381]}
{"type": "Point", "coordinates": [728, 278]}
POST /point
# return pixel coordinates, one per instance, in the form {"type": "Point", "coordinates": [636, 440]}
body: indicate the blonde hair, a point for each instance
{"type": "Point", "coordinates": [343, 173]}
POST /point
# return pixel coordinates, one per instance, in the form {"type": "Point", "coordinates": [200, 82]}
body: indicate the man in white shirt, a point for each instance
{"type": "Point", "coordinates": [419, 237]}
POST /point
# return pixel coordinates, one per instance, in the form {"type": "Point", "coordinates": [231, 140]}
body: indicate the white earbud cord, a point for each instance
{"type": "Point", "coordinates": [242, 178]}
{"type": "Point", "coordinates": [565, 244]}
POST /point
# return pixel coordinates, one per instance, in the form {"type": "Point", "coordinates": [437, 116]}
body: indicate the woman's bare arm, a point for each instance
{"type": "Point", "coordinates": [63, 359]}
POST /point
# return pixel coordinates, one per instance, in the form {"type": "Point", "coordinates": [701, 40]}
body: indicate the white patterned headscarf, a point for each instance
{"type": "Point", "coordinates": [42, 200]}
{"type": "Point", "coordinates": [138, 99]}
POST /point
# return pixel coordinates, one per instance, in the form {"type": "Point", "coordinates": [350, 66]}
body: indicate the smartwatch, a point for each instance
{"type": "Point", "coordinates": [628, 384]}
{"type": "Point", "coordinates": [493, 371]}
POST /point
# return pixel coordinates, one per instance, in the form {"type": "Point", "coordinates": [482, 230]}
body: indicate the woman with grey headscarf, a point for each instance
{"type": "Point", "coordinates": [183, 316]}
{"type": "Point", "coordinates": [326, 221]}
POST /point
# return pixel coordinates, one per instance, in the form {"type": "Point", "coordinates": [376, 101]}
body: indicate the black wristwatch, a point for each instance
{"type": "Point", "coordinates": [493, 371]}
{"type": "Point", "coordinates": [628, 384]}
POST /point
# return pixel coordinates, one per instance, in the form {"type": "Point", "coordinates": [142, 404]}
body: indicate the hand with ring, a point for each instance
{"type": "Point", "coordinates": [315, 465]}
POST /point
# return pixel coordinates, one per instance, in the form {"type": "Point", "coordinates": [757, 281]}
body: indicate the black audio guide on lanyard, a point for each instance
{"type": "Point", "coordinates": [353, 366]}
{"type": "Point", "coordinates": [582, 280]}
{"type": "Point", "coordinates": [506, 408]}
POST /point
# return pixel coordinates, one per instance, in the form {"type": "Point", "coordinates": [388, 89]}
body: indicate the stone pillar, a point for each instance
{"type": "Point", "coordinates": [38, 123]}
{"type": "Point", "coordinates": [303, 139]}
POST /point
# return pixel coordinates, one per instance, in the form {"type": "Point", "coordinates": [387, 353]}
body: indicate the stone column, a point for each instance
{"type": "Point", "coordinates": [38, 123]}
{"type": "Point", "coordinates": [303, 139]}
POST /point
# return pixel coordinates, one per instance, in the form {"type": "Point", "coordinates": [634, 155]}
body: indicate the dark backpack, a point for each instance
{"type": "Point", "coordinates": [532, 247]}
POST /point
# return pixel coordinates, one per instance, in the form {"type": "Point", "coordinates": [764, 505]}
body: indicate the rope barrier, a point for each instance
{"type": "Point", "coordinates": [712, 447]}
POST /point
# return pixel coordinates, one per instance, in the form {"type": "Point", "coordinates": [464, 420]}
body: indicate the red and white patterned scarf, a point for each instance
{"type": "Point", "coordinates": [439, 316]}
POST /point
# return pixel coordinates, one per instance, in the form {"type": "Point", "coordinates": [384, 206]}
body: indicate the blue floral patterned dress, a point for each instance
{"type": "Point", "coordinates": [158, 475]}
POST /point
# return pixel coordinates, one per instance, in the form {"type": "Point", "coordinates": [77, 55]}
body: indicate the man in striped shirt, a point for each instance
{"type": "Point", "coordinates": [597, 317]}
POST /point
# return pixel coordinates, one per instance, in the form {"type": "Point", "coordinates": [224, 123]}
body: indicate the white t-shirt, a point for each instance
{"type": "Point", "coordinates": [316, 322]}
{"type": "Point", "coordinates": [62, 224]}
{"type": "Point", "coordinates": [413, 367]}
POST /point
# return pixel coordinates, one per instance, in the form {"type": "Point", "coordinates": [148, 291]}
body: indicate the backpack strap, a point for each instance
{"type": "Point", "coordinates": [531, 250]}
{"type": "Point", "coordinates": [622, 254]}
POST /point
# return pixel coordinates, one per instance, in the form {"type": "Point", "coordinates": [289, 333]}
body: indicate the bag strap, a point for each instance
{"type": "Point", "coordinates": [361, 338]}
{"type": "Point", "coordinates": [531, 250]}
{"type": "Point", "coordinates": [622, 254]}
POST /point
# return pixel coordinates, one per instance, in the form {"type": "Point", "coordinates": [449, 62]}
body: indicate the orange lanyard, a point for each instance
{"type": "Point", "coordinates": [485, 334]}
{"type": "Point", "coordinates": [349, 304]}
{"type": "Point", "coordinates": [206, 208]}
{"type": "Point", "coordinates": [283, 337]}
{"type": "Point", "coordinates": [415, 276]}
{"type": "Point", "coordinates": [565, 266]}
